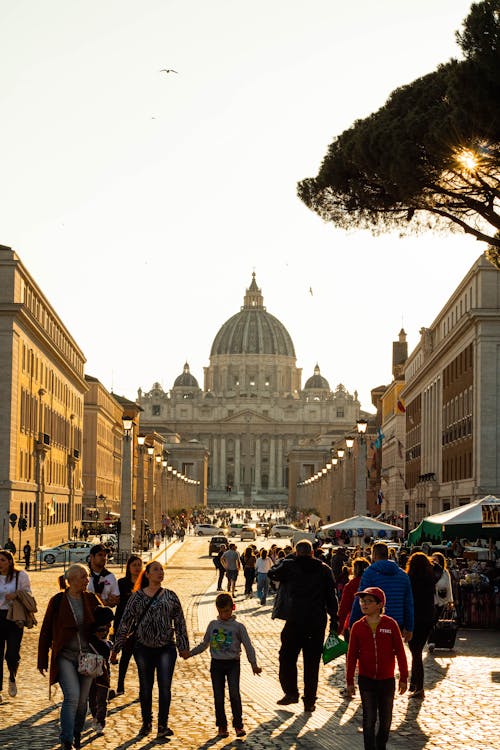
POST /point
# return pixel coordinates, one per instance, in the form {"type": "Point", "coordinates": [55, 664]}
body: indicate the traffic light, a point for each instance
{"type": "Point", "coordinates": [22, 524]}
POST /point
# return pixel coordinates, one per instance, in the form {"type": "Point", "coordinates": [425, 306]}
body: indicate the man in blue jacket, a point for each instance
{"type": "Point", "coordinates": [388, 576]}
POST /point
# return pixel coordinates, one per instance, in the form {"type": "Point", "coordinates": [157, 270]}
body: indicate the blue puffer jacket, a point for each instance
{"type": "Point", "coordinates": [394, 582]}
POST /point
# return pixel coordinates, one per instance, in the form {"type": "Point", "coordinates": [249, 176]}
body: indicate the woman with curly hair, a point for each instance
{"type": "Point", "coordinates": [420, 571]}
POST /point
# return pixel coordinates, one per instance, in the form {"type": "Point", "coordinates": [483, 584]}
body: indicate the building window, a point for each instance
{"type": "Point", "coordinates": [156, 410]}
{"type": "Point", "coordinates": [340, 412]}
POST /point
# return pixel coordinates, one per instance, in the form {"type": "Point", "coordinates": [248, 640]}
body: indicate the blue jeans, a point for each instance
{"type": "Point", "coordinates": [219, 670]}
{"type": "Point", "coordinates": [377, 697]}
{"type": "Point", "coordinates": [148, 660]}
{"type": "Point", "coordinates": [262, 586]}
{"type": "Point", "coordinates": [75, 688]}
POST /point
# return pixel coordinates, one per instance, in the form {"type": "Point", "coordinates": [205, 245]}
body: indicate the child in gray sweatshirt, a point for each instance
{"type": "Point", "coordinates": [225, 637]}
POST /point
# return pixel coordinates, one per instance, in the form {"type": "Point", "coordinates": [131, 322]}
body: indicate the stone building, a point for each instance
{"type": "Point", "coordinates": [252, 408]}
{"type": "Point", "coordinates": [451, 395]}
{"type": "Point", "coordinates": [41, 412]}
{"type": "Point", "coordinates": [102, 453]}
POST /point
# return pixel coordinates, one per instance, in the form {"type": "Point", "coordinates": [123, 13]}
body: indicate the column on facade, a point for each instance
{"type": "Point", "coordinates": [215, 462]}
{"type": "Point", "coordinates": [237, 453]}
{"type": "Point", "coordinates": [272, 463]}
{"type": "Point", "coordinates": [258, 461]}
{"type": "Point", "coordinates": [223, 470]}
{"type": "Point", "coordinates": [279, 463]}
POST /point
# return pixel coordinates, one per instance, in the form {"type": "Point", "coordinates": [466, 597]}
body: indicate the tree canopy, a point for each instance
{"type": "Point", "coordinates": [430, 157]}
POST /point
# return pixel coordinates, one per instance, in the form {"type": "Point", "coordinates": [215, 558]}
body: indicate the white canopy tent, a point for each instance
{"type": "Point", "coordinates": [364, 524]}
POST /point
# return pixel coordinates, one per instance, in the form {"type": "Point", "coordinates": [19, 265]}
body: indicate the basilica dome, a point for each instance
{"type": "Point", "coordinates": [317, 381]}
{"type": "Point", "coordinates": [253, 330]}
{"type": "Point", "coordinates": [185, 379]}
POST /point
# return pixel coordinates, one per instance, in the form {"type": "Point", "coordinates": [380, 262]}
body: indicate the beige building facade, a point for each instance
{"type": "Point", "coordinates": [102, 453]}
{"type": "Point", "coordinates": [451, 397]}
{"type": "Point", "coordinates": [41, 412]}
{"type": "Point", "coordinates": [252, 409]}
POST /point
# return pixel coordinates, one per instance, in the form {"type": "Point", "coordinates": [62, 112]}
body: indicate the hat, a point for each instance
{"type": "Point", "coordinates": [374, 591]}
{"type": "Point", "coordinates": [103, 615]}
{"type": "Point", "coordinates": [98, 548]}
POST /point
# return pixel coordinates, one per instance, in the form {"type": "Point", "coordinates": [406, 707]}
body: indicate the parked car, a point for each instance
{"type": "Point", "coordinates": [283, 530]}
{"type": "Point", "coordinates": [248, 532]}
{"type": "Point", "coordinates": [206, 529]}
{"type": "Point", "coordinates": [235, 529]}
{"type": "Point", "coordinates": [67, 552]}
{"type": "Point", "coordinates": [216, 543]}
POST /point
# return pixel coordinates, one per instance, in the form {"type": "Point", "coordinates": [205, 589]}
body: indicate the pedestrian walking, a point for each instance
{"type": "Point", "coordinates": [262, 567]}
{"type": "Point", "coordinates": [359, 565]}
{"type": "Point", "coordinates": [307, 591]}
{"type": "Point", "coordinates": [394, 582]}
{"type": "Point", "coordinates": [249, 561]}
{"type": "Point", "coordinates": [99, 690]}
{"type": "Point", "coordinates": [12, 581]}
{"type": "Point", "coordinates": [157, 615]}
{"type": "Point", "coordinates": [219, 566]}
{"type": "Point", "coordinates": [443, 596]}
{"type": "Point", "coordinates": [375, 643]}
{"type": "Point", "coordinates": [225, 636]}
{"type": "Point", "coordinates": [10, 546]}
{"type": "Point", "coordinates": [126, 585]}
{"type": "Point", "coordinates": [421, 574]}
{"type": "Point", "coordinates": [65, 633]}
{"type": "Point", "coordinates": [232, 565]}
{"type": "Point", "coordinates": [27, 555]}
{"type": "Point", "coordinates": [102, 581]}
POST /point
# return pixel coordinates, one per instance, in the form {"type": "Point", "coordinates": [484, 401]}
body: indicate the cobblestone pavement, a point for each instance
{"type": "Point", "coordinates": [460, 708]}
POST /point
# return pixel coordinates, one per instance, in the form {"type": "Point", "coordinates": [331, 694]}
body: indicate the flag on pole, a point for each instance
{"type": "Point", "coordinates": [380, 437]}
{"type": "Point", "coordinates": [401, 406]}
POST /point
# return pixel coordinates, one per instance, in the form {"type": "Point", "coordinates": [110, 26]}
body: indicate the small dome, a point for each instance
{"type": "Point", "coordinates": [317, 381]}
{"type": "Point", "coordinates": [186, 380]}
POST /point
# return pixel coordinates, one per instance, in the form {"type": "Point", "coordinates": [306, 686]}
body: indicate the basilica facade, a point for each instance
{"type": "Point", "coordinates": [252, 409]}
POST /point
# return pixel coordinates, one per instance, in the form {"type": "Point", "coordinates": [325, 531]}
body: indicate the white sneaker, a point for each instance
{"type": "Point", "coordinates": [12, 688]}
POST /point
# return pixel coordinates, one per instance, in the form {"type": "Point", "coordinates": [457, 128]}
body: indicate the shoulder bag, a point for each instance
{"type": "Point", "coordinates": [90, 663]}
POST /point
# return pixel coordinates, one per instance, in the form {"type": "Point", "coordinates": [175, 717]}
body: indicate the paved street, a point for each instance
{"type": "Point", "coordinates": [460, 708]}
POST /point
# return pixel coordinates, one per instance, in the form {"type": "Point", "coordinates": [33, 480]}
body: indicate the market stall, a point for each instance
{"type": "Point", "coordinates": [472, 536]}
{"type": "Point", "coordinates": [360, 526]}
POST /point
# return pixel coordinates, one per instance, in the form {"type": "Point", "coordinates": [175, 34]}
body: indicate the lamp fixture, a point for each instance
{"type": "Point", "coordinates": [361, 425]}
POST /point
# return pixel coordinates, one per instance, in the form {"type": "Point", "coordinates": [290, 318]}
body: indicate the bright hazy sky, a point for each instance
{"type": "Point", "coordinates": [141, 201]}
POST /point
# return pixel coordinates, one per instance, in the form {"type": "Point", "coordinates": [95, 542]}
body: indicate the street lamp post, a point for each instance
{"type": "Point", "coordinates": [139, 500]}
{"type": "Point", "coordinates": [125, 534]}
{"type": "Point", "coordinates": [151, 495]}
{"type": "Point", "coordinates": [360, 506]}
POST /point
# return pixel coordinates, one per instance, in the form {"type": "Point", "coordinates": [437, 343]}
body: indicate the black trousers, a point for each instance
{"type": "Point", "coordinates": [295, 638]}
{"type": "Point", "coordinates": [377, 698]}
{"type": "Point", "coordinates": [11, 636]}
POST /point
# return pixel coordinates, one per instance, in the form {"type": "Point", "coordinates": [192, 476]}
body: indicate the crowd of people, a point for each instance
{"type": "Point", "coordinates": [372, 599]}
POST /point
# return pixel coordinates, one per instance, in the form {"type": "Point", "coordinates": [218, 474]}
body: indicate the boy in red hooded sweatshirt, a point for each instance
{"type": "Point", "coordinates": [375, 643]}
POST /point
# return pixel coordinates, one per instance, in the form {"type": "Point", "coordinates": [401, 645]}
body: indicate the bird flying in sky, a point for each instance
{"type": "Point", "coordinates": [168, 70]}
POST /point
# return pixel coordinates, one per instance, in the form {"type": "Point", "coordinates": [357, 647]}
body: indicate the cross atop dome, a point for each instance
{"type": "Point", "coordinates": [253, 299]}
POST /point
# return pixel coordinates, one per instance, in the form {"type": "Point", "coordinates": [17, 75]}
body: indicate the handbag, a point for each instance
{"type": "Point", "coordinates": [90, 664]}
{"type": "Point", "coordinates": [334, 647]}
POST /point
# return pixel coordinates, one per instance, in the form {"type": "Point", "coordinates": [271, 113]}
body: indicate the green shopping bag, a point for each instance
{"type": "Point", "coordinates": [334, 647]}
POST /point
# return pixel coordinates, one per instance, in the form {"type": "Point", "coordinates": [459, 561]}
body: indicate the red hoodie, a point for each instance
{"type": "Point", "coordinates": [376, 652]}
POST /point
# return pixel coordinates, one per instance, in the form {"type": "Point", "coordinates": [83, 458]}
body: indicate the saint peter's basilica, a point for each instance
{"type": "Point", "coordinates": [252, 410]}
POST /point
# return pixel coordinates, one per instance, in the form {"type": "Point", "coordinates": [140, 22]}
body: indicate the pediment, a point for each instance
{"type": "Point", "coordinates": [248, 415]}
